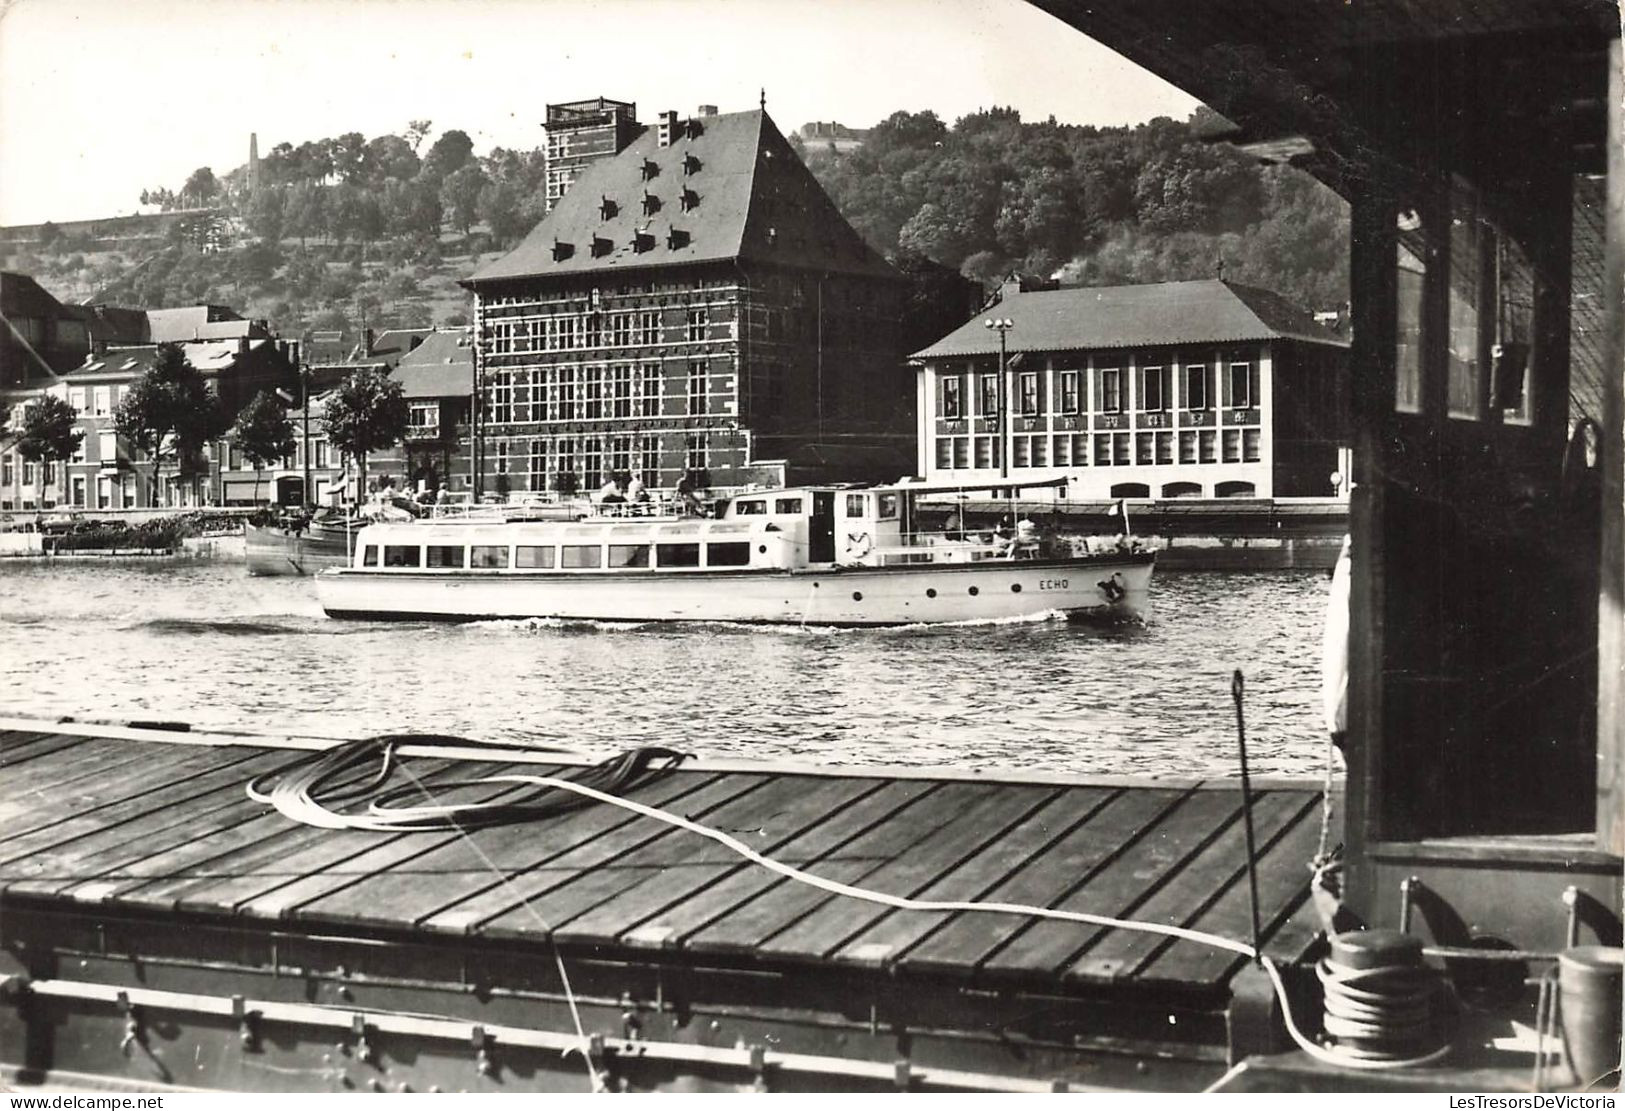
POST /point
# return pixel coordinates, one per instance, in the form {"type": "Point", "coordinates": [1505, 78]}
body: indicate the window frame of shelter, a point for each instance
{"type": "Point", "coordinates": [1111, 391]}
{"type": "Point", "coordinates": [1196, 399]}
{"type": "Point", "coordinates": [951, 397]}
{"type": "Point", "coordinates": [1241, 398]}
{"type": "Point", "coordinates": [1029, 393]}
{"type": "Point", "coordinates": [961, 453]}
{"type": "Point", "coordinates": [945, 453]}
{"type": "Point", "coordinates": [989, 396]}
{"type": "Point", "coordinates": [1067, 384]}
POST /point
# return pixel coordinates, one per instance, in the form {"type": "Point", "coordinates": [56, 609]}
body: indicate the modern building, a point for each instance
{"type": "Point", "coordinates": [582, 132]}
{"type": "Point", "coordinates": [1178, 389]}
{"type": "Point", "coordinates": [695, 303]}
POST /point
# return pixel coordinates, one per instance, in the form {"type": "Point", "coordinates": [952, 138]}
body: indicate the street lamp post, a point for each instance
{"type": "Point", "coordinates": [1002, 325]}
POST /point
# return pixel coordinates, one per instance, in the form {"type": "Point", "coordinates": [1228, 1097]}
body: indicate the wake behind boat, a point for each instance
{"type": "Point", "coordinates": [822, 555]}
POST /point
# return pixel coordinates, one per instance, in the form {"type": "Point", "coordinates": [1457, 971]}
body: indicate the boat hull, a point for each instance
{"type": "Point", "coordinates": [275, 551]}
{"type": "Point", "coordinates": [1103, 588]}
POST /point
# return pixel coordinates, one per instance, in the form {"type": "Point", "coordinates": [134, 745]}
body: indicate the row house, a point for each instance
{"type": "Point", "coordinates": [693, 303]}
{"type": "Point", "coordinates": [1177, 389]}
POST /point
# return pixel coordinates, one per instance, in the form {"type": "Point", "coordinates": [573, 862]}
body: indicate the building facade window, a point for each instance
{"type": "Point", "coordinates": [620, 376]}
{"type": "Point", "coordinates": [1029, 394]}
{"type": "Point", "coordinates": [990, 396]}
{"type": "Point", "coordinates": [1068, 382]}
{"type": "Point", "coordinates": [696, 388]}
{"type": "Point", "coordinates": [649, 390]}
{"type": "Point", "coordinates": [951, 400]}
{"type": "Point", "coordinates": [1241, 385]}
{"type": "Point", "coordinates": [1153, 389]}
{"type": "Point", "coordinates": [1111, 397]}
{"type": "Point", "coordinates": [694, 452]}
{"type": "Point", "coordinates": [1251, 445]}
{"type": "Point", "coordinates": [1196, 387]}
{"type": "Point", "coordinates": [648, 327]}
{"type": "Point", "coordinates": [1232, 445]}
{"type": "Point", "coordinates": [699, 324]}
{"type": "Point", "coordinates": [1187, 447]}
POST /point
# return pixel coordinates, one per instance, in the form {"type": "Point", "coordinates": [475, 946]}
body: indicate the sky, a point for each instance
{"type": "Point", "coordinates": [102, 98]}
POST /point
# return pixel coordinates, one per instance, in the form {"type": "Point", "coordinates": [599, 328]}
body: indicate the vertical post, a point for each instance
{"type": "Point", "coordinates": [1002, 325]}
{"type": "Point", "coordinates": [1611, 579]}
{"type": "Point", "coordinates": [476, 433]}
{"type": "Point", "coordinates": [304, 393]}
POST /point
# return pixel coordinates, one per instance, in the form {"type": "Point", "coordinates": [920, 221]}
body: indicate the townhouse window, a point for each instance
{"type": "Point", "coordinates": [593, 392]}
{"type": "Point", "coordinates": [567, 393]}
{"type": "Point", "coordinates": [1111, 396]}
{"type": "Point", "coordinates": [990, 395]}
{"type": "Point", "coordinates": [1069, 392]}
{"type": "Point", "coordinates": [521, 395]}
{"type": "Point", "coordinates": [621, 390]}
{"type": "Point", "coordinates": [649, 326]}
{"type": "Point", "coordinates": [1153, 389]}
{"type": "Point", "coordinates": [694, 454]}
{"type": "Point", "coordinates": [1241, 385]}
{"type": "Point", "coordinates": [7, 476]}
{"type": "Point", "coordinates": [699, 323]}
{"type": "Point", "coordinates": [592, 462]}
{"type": "Point", "coordinates": [649, 390]}
{"type": "Point", "coordinates": [696, 387]}
{"type": "Point", "coordinates": [1196, 387]}
{"type": "Point", "coordinates": [1029, 394]}
{"type": "Point", "coordinates": [78, 455]}
{"type": "Point", "coordinates": [951, 401]}
{"type": "Point", "coordinates": [78, 398]}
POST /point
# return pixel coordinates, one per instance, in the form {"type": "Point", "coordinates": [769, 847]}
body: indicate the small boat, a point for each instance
{"type": "Point", "coordinates": [817, 555]}
{"type": "Point", "coordinates": [299, 547]}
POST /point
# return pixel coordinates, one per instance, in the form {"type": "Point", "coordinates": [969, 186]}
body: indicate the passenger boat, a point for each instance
{"type": "Point", "coordinates": [817, 555]}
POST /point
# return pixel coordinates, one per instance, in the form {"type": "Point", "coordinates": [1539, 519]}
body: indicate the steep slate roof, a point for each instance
{"type": "Point", "coordinates": [1207, 311]}
{"type": "Point", "coordinates": [441, 366]}
{"type": "Point", "coordinates": [192, 322]}
{"type": "Point", "coordinates": [397, 342]}
{"type": "Point", "coordinates": [21, 295]}
{"type": "Point", "coordinates": [756, 201]}
{"type": "Point", "coordinates": [208, 356]}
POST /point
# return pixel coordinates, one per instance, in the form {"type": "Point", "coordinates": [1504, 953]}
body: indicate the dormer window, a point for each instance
{"type": "Point", "coordinates": [601, 246]}
{"type": "Point", "coordinates": [651, 169]}
{"type": "Point", "coordinates": [693, 129]}
{"type": "Point", "coordinates": [688, 200]}
{"type": "Point", "coordinates": [562, 250]}
{"type": "Point", "coordinates": [642, 241]}
{"type": "Point", "coordinates": [651, 204]}
{"type": "Point", "coordinates": [676, 239]}
{"type": "Point", "coordinates": [691, 165]}
{"type": "Point", "coordinates": [607, 209]}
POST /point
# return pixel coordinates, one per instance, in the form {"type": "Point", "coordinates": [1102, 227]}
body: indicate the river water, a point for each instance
{"type": "Point", "coordinates": [202, 642]}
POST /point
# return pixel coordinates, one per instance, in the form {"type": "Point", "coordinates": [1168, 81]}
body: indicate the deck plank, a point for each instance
{"type": "Point", "coordinates": [39, 791]}
{"type": "Point", "coordinates": [963, 944]}
{"type": "Point", "coordinates": [764, 820]}
{"type": "Point", "coordinates": [155, 789]}
{"type": "Point", "coordinates": [957, 837]}
{"type": "Point", "coordinates": [781, 904]}
{"type": "Point", "coordinates": [520, 891]}
{"type": "Point", "coordinates": [19, 745]}
{"type": "Point", "coordinates": [1044, 947]}
{"type": "Point", "coordinates": [461, 867]}
{"type": "Point", "coordinates": [896, 931]}
{"type": "Point", "coordinates": [1212, 872]}
{"type": "Point", "coordinates": [676, 923]}
{"type": "Point", "coordinates": [1282, 875]}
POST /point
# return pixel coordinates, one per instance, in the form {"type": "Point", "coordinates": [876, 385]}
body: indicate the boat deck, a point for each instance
{"type": "Point", "coordinates": [150, 830]}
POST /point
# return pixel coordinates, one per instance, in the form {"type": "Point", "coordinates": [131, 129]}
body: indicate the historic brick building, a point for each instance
{"type": "Point", "coordinates": [695, 302]}
{"type": "Point", "coordinates": [1178, 389]}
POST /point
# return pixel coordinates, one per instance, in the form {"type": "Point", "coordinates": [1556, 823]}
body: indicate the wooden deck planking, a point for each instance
{"type": "Point", "coordinates": [49, 784]}
{"type": "Point", "coordinates": [894, 933]}
{"type": "Point", "coordinates": [675, 924]}
{"type": "Point", "coordinates": [19, 745]}
{"type": "Point", "coordinates": [1183, 898]}
{"type": "Point", "coordinates": [1282, 875]}
{"type": "Point", "coordinates": [800, 806]}
{"type": "Point", "coordinates": [465, 866]}
{"type": "Point", "coordinates": [281, 857]}
{"type": "Point", "coordinates": [218, 801]}
{"type": "Point", "coordinates": [963, 944]}
{"type": "Point", "coordinates": [520, 891]}
{"type": "Point", "coordinates": [776, 908]}
{"type": "Point", "coordinates": [137, 796]}
{"type": "Point", "coordinates": [1120, 886]}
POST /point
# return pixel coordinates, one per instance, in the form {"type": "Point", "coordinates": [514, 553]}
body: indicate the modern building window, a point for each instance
{"type": "Point", "coordinates": [1251, 445]}
{"type": "Point", "coordinates": [1196, 387]}
{"type": "Point", "coordinates": [945, 452]}
{"type": "Point", "coordinates": [1080, 449]}
{"type": "Point", "coordinates": [1241, 385]}
{"type": "Point", "coordinates": [1103, 451]}
{"type": "Point", "coordinates": [1040, 451]}
{"type": "Point", "coordinates": [1021, 454]}
{"type": "Point", "coordinates": [1153, 389]}
{"type": "Point", "coordinates": [1165, 448]}
{"type": "Point", "coordinates": [1063, 451]}
{"type": "Point", "coordinates": [1142, 449]}
{"type": "Point", "coordinates": [1187, 447]}
{"type": "Point", "coordinates": [1068, 382]}
{"type": "Point", "coordinates": [1120, 449]}
{"type": "Point", "coordinates": [984, 452]}
{"type": "Point", "coordinates": [1111, 398]}
{"type": "Point", "coordinates": [951, 401]}
{"type": "Point", "coordinates": [1029, 394]}
{"type": "Point", "coordinates": [1209, 445]}
{"type": "Point", "coordinates": [1232, 445]}
{"type": "Point", "coordinates": [961, 453]}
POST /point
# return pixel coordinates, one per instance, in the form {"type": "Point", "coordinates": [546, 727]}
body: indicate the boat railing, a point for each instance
{"type": "Point", "coordinates": [937, 547]}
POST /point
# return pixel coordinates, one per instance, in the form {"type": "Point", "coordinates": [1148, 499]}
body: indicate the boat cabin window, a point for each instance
{"type": "Point", "coordinates": [576, 556]}
{"type": "Point", "coordinates": [489, 556]}
{"type": "Point", "coordinates": [403, 555]}
{"type": "Point", "coordinates": [750, 507]}
{"type": "Point", "coordinates": [787, 505]}
{"type": "Point", "coordinates": [731, 554]}
{"type": "Point", "coordinates": [629, 555]}
{"type": "Point", "coordinates": [445, 555]}
{"type": "Point", "coordinates": [855, 505]}
{"type": "Point", "coordinates": [533, 556]}
{"type": "Point", "coordinates": [888, 506]}
{"type": "Point", "coordinates": [369, 556]}
{"type": "Point", "coordinates": [678, 555]}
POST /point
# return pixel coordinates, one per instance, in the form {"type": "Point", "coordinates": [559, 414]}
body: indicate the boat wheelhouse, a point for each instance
{"type": "Point", "coordinates": [826, 555]}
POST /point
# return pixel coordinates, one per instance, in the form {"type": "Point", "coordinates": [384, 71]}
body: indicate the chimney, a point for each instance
{"type": "Point", "coordinates": [366, 343]}
{"type": "Point", "coordinates": [242, 347]}
{"type": "Point", "coordinates": [667, 130]}
{"type": "Point", "coordinates": [707, 110]}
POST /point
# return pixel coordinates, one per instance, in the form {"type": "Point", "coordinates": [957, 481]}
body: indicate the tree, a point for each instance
{"type": "Point", "coordinates": [264, 433]}
{"type": "Point", "coordinates": [48, 436]}
{"type": "Point", "coordinates": [449, 154]}
{"type": "Point", "coordinates": [201, 187]}
{"type": "Point", "coordinates": [49, 236]}
{"type": "Point", "coordinates": [389, 156]}
{"type": "Point", "coordinates": [168, 410]}
{"type": "Point", "coordinates": [460, 194]}
{"type": "Point", "coordinates": [416, 132]}
{"type": "Point", "coordinates": [366, 413]}
{"type": "Point", "coordinates": [500, 208]}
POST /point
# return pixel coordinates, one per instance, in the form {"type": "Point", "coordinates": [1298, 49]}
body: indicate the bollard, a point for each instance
{"type": "Point", "coordinates": [1589, 983]}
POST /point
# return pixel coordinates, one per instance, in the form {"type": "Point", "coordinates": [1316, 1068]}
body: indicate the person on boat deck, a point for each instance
{"type": "Point", "coordinates": [1026, 536]}
{"type": "Point", "coordinates": [610, 493]}
{"type": "Point", "coordinates": [636, 491]}
{"type": "Point", "coordinates": [688, 496]}
{"type": "Point", "coordinates": [954, 527]}
{"type": "Point", "coordinates": [1004, 534]}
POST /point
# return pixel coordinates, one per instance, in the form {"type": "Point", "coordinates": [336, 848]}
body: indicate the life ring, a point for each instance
{"type": "Point", "coordinates": [1113, 588]}
{"type": "Point", "coordinates": [858, 544]}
